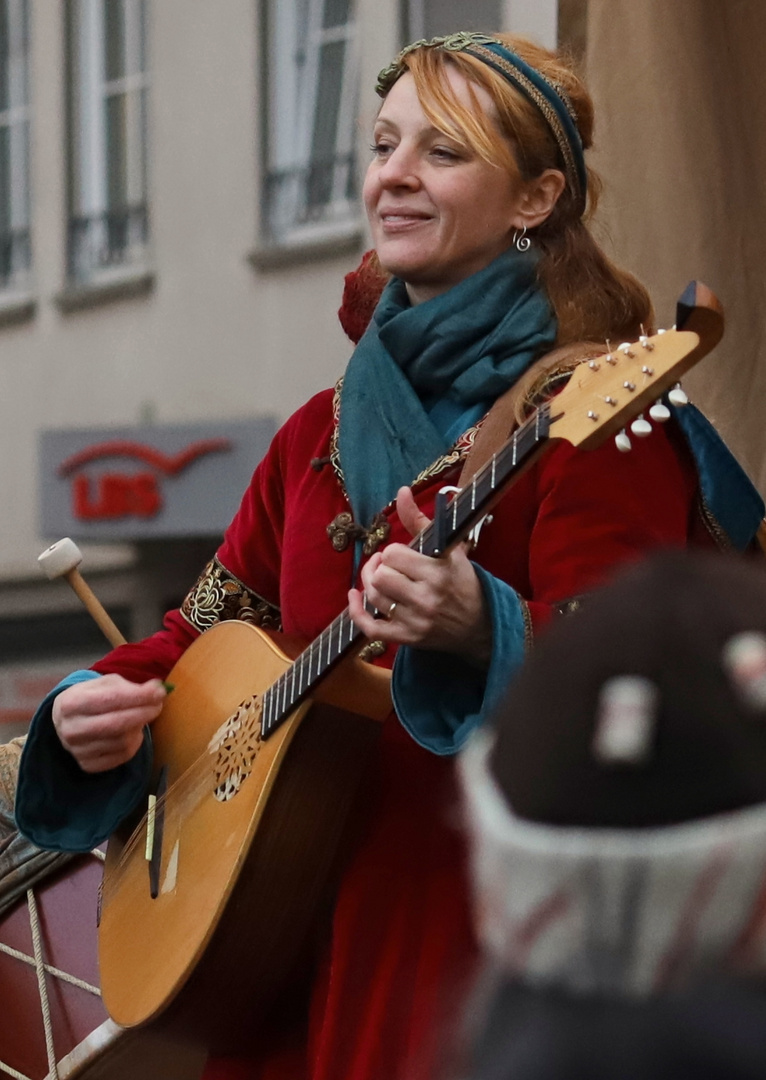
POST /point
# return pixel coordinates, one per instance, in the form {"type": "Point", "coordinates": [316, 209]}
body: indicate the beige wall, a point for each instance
{"type": "Point", "coordinates": [680, 94]}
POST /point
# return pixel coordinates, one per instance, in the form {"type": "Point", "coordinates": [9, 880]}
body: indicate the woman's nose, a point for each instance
{"type": "Point", "coordinates": [400, 169]}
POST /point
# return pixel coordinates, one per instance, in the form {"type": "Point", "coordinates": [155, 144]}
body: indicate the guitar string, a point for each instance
{"type": "Point", "coordinates": [193, 783]}
{"type": "Point", "coordinates": [186, 792]}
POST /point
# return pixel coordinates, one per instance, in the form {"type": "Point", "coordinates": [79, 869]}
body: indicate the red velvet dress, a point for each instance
{"type": "Point", "coordinates": [400, 953]}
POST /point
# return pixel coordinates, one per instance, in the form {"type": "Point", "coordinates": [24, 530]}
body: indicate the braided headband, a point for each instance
{"type": "Point", "coordinates": [551, 99]}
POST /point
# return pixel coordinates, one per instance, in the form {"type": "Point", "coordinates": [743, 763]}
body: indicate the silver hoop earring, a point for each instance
{"type": "Point", "coordinates": [521, 241]}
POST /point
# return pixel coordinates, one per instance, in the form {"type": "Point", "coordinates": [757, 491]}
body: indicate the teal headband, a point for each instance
{"type": "Point", "coordinates": [551, 100]}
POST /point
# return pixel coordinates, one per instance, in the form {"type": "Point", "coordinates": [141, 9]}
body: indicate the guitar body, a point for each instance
{"type": "Point", "coordinates": [251, 829]}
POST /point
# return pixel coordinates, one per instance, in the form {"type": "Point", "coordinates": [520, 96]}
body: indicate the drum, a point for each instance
{"type": "Point", "coordinates": [61, 1032]}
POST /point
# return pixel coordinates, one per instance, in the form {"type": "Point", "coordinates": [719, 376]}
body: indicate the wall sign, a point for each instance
{"type": "Point", "coordinates": [147, 482]}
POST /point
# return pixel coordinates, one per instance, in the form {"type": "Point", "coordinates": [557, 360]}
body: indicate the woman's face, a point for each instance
{"type": "Point", "coordinates": [438, 212]}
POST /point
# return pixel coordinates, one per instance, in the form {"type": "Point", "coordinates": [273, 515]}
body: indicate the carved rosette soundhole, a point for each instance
{"type": "Point", "coordinates": [236, 745]}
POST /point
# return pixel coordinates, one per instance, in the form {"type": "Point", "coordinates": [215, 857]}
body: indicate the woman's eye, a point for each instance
{"type": "Point", "coordinates": [444, 153]}
{"type": "Point", "coordinates": [380, 149]}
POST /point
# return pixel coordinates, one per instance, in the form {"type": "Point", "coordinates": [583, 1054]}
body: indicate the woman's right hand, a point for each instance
{"type": "Point", "coordinates": [101, 722]}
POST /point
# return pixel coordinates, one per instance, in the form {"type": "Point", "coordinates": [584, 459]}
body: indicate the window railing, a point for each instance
{"type": "Point", "coordinates": [321, 192]}
{"type": "Point", "coordinates": [15, 257]}
{"type": "Point", "coordinates": [112, 239]}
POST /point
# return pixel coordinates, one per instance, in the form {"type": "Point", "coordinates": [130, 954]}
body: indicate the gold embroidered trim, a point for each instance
{"type": "Point", "coordinates": [710, 522]}
{"type": "Point", "coordinates": [452, 457]}
{"type": "Point", "coordinates": [529, 631]}
{"type": "Point", "coordinates": [219, 596]}
{"type": "Point", "coordinates": [371, 650]}
{"type": "Point", "coordinates": [334, 440]}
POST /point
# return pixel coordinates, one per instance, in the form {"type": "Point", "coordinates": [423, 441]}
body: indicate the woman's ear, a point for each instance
{"type": "Point", "coordinates": [537, 199]}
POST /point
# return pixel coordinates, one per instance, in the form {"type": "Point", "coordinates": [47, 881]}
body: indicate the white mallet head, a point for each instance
{"type": "Point", "coordinates": [60, 558]}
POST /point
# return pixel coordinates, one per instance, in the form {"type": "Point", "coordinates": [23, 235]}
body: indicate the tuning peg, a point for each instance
{"type": "Point", "coordinates": [641, 427]}
{"type": "Point", "coordinates": [622, 442]}
{"type": "Point", "coordinates": [677, 396]}
{"type": "Point", "coordinates": [659, 411]}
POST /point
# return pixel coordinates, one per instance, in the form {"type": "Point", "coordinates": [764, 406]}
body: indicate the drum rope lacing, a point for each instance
{"type": "Point", "coordinates": [38, 962]}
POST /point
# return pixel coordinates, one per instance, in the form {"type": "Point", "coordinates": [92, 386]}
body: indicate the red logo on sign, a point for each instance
{"type": "Point", "coordinates": [114, 495]}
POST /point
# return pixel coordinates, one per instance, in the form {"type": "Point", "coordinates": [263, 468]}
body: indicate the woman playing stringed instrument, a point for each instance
{"type": "Point", "coordinates": [476, 195]}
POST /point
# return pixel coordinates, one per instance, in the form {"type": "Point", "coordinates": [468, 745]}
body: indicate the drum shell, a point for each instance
{"type": "Point", "coordinates": [88, 1046]}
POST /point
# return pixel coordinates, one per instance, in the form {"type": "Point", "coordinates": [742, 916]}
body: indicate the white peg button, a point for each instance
{"type": "Point", "coordinates": [659, 412]}
{"type": "Point", "coordinates": [641, 427]}
{"type": "Point", "coordinates": [678, 397]}
{"type": "Point", "coordinates": [622, 442]}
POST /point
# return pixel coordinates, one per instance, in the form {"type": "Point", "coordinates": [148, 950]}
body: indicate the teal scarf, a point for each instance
{"type": "Point", "coordinates": [468, 345]}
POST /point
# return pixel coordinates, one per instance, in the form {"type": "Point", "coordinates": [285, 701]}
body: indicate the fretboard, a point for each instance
{"type": "Point", "coordinates": [450, 526]}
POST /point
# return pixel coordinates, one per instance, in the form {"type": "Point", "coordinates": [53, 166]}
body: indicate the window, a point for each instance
{"type": "Point", "coordinates": [309, 189]}
{"type": "Point", "coordinates": [434, 18]}
{"type": "Point", "coordinates": [107, 88]}
{"type": "Point", "coordinates": [15, 257]}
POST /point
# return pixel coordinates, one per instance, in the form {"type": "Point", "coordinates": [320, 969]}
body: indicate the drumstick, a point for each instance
{"type": "Point", "coordinates": [61, 560]}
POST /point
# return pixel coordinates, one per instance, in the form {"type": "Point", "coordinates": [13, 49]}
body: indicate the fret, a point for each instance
{"type": "Point", "coordinates": [494, 467]}
{"type": "Point", "coordinates": [473, 494]}
{"type": "Point", "coordinates": [292, 691]}
{"type": "Point", "coordinates": [513, 444]}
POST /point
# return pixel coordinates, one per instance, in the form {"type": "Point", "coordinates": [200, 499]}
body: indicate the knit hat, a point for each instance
{"type": "Point", "coordinates": [618, 812]}
{"type": "Point", "coordinates": [666, 656]}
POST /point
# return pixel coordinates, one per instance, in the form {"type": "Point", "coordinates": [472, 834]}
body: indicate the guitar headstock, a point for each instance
{"type": "Point", "coordinates": [606, 392]}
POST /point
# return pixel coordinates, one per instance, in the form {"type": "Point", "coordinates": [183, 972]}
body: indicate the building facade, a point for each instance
{"type": "Point", "coordinates": [179, 202]}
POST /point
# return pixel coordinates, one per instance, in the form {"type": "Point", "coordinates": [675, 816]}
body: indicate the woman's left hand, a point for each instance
{"type": "Point", "coordinates": [428, 603]}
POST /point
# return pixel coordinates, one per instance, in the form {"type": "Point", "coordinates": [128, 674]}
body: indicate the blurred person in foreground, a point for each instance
{"type": "Point", "coordinates": [476, 194]}
{"type": "Point", "coordinates": [618, 823]}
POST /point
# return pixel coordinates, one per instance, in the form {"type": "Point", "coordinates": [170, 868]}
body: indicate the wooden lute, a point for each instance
{"type": "Point", "coordinates": [261, 746]}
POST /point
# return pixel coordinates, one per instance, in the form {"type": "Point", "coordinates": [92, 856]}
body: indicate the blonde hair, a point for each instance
{"type": "Point", "coordinates": [592, 298]}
